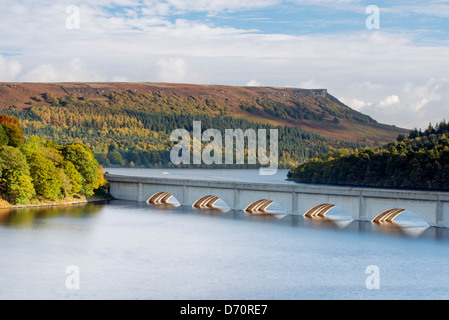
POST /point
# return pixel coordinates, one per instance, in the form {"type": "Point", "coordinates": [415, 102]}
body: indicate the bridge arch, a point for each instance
{"type": "Point", "coordinates": [205, 202]}
{"type": "Point", "coordinates": [210, 202]}
{"type": "Point", "coordinates": [161, 198]}
{"type": "Point", "coordinates": [259, 207]}
{"type": "Point", "coordinates": [319, 211]}
{"type": "Point", "coordinates": [388, 215]}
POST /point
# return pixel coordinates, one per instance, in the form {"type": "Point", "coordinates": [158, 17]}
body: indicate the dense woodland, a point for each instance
{"type": "Point", "coordinates": [298, 110]}
{"type": "Point", "coordinates": [39, 170]}
{"type": "Point", "coordinates": [132, 129]}
{"type": "Point", "coordinates": [417, 161]}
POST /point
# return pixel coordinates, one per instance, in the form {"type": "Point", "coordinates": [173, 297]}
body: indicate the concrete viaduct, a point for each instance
{"type": "Point", "coordinates": [363, 204]}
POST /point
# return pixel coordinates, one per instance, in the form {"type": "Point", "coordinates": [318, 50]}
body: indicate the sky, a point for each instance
{"type": "Point", "coordinates": [387, 59]}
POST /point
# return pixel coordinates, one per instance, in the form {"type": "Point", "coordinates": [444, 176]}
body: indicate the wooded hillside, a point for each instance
{"type": "Point", "coordinates": [130, 123]}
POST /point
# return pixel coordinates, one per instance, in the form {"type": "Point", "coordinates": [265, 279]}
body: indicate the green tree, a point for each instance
{"type": "Point", "coordinates": [4, 140]}
{"type": "Point", "coordinates": [13, 130]}
{"type": "Point", "coordinates": [75, 178]}
{"type": "Point", "coordinates": [43, 168]}
{"type": "Point", "coordinates": [417, 161]}
{"type": "Point", "coordinates": [116, 158]}
{"type": "Point", "coordinates": [15, 180]}
{"type": "Point", "coordinates": [86, 164]}
{"type": "Point", "coordinates": [34, 144]}
{"type": "Point", "coordinates": [47, 178]}
{"type": "Point", "coordinates": [66, 185]}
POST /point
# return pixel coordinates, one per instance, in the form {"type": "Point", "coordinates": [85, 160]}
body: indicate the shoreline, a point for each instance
{"type": "Point", "coordinates": [70, 203]}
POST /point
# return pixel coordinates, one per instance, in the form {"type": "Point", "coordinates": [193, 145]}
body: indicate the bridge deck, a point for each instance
{"type": "Point", "coordinates": [299, 188]}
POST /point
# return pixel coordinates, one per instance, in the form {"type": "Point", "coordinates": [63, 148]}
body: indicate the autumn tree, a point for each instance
{"type": "Point", "coordinates": [86, 164]}
{"type": "Point", "coordinates": [46, 177]}
{"type": "Point", "coordinates": [15, 180]}
{"type": "Point", "coordinates": [43, 168]}
{"type": "Point", "coordinates": [13, 130]}
{"type": "Point", "coordinates": [4, 140]}
{"type": "Point", "coordinates": [75, 178]}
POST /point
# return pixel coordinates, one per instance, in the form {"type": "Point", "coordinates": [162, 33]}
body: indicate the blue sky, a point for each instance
{"type": "Point", "coordinates": [427, 22]}
{"type": "Point", "coordinates": [287, 18]}
{"type": "Point", "coordinates": [398, 74]}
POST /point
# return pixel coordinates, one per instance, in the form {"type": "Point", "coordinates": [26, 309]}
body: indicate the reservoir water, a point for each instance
{"type": "Point", "coordinates": [128, 250]}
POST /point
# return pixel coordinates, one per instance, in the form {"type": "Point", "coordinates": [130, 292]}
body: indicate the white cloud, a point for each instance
{"type": "Point", "coordinates": [389, 101]}
{"type": "Point", "coordinates": [311, 84]}
{"type": "Point", "coordinates": [74, 71]}
{"type": "Point", "coordinates": [212, 6]}
{"type": "Point", "coordinates": [119, 79]}
{"type": "Point", "coordinates": [172, 70]}
{"type": "Point", "coordinates": [357, 104]}
{"type": "Point", "coordinates": [423, 94]}
{"type": "Point", "coordinates": [253, 83]}
{"type": "Point", "coordinates": [9, 69]}
{"type": "Point", "coordinates": [430, 8]}
{"type": "Point", "coordinates": [43, 73]}
{"type": "Point", "coordinates": [420, 103]}
{"type": "Point", "coordinates": [176, 70]}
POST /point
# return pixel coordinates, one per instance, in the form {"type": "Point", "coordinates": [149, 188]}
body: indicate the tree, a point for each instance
{"type": "Point", "coordinates": [401, 138]}
{"type": "Point", "coordinates": [34, 144]}
{"type": "Point", "coordinates": [75, 178]}
{"type": "Point", "coordinates": [47, 178]}
{"type": "Point", "coordinates": [15, 180]}
{"type": "Point", "coordinates": [417, 161]}
{"type": "Point", "coordinates": [4, 140]}
{"type": "Point", "coordinates": [13, 130]}
{"type": "Point", "coordinates": [38, 167]}
{"type": "Point", "coordinates": [102, 158]}
{"type": "Point", "coordinates": [86, 164]}
{"type": "Point", "coordinates": [116, 158]}
{"type": "Point", "coordinates": [66, 185]}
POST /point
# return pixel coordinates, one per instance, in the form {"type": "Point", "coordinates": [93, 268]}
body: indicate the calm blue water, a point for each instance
{"type": "Point", "coordinates": [126, 250]}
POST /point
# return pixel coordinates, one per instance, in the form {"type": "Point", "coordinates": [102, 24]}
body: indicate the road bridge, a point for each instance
{"type": "Point", "coordinates": [363, 204]}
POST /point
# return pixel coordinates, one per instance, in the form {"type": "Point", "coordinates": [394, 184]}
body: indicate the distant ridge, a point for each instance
{"type": "Point", "coordinates": [314, 110]}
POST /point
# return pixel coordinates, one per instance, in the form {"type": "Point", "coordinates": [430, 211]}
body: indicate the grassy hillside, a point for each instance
{"type": "Point", "coordinates": [130, 123]}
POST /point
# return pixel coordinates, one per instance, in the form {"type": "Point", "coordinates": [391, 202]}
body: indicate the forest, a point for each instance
{"type": "Point", "coordinates": [39, 171]}
{"type": "Point", "coordinates": [417, 161]}
{"type": "Point", "coordinates": [133, 130]}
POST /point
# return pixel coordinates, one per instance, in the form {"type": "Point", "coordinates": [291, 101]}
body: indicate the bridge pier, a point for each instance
{"type": "Point", "coordinates": [140, 195]}
{"type": "Point", "coordinates": [185, 195]}
{"type": "Point", "coordinates": [441, 217]}
{"type": "Point", "coordinates": [295, 204]}
{"type": "Point", "coordinates": [236, 201]}
{"type": "Point", "coordinates": [362, 209]}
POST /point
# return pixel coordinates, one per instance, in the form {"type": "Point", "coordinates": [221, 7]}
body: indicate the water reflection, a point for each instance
{"type": "Point", "coordinates": [322, 222]}
{"type": "Point", "coordinates": [43, 217]}
{"type": "Point", "coordinates": [210, 211]}
{"type": "Point", "coordinates": [338, 223]}
{"type": "Point", "coordinates": [397, 229]}
{"type": "Point", "coordinates": [35, 217]}
{"type": "Point", "coordinates": [162, 206]}
{"type": "Point", "coordinates": [266, 217]}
